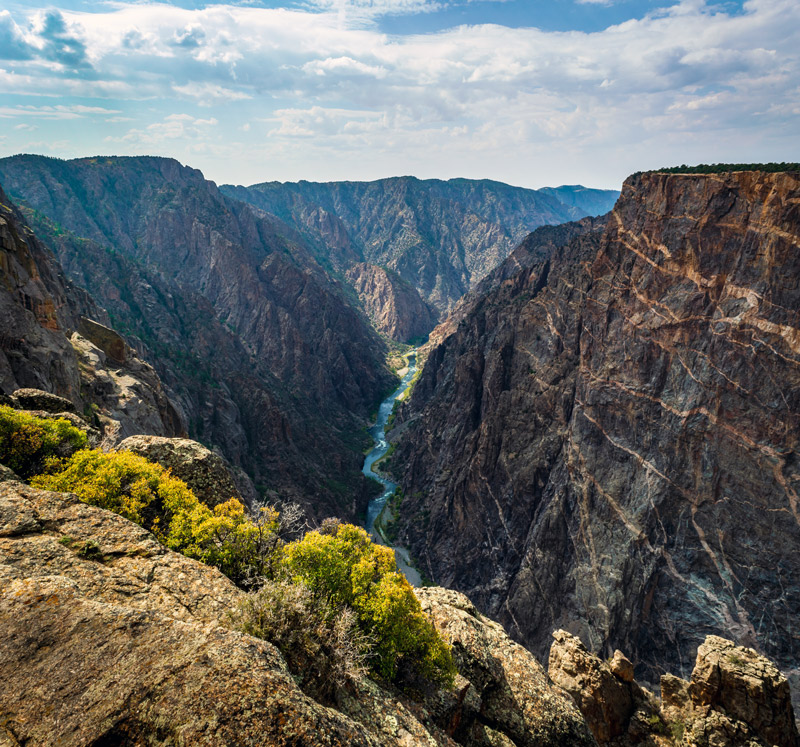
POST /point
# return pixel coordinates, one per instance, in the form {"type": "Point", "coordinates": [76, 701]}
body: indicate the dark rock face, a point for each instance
{"type": "Point", "coordinates": [607, 442]}
{"type": "Point", "coordinates": [36, 399]}
{"type": "Point", "coordinates": [51, 368]}
{"type": "Point", "coordinates": [394, 307]}
{"type": "Point", "coordinates": [441, 237]}
{"type": "Point", "coordinates": [257, 344]}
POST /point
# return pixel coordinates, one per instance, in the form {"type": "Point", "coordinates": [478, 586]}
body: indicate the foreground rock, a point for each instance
{"type": "Point", "coordinates": [735, 697]}
{"type": "Point", "coordinates": [109, 638]}
{"type": "Point", "coordinates": [206, 473]}
{"type": "Point", "coordinates": [505, 696]}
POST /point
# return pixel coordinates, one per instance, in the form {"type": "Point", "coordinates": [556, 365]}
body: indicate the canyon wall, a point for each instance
{"type": "Point", "coordinates": [607, 440]}
{"type": "Point", "coordinates": [259, 346]}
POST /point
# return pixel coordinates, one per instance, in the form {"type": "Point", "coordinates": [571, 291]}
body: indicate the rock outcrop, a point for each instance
{"type": "Point", "coordinates": [504, 696]}
{"type": "Point", "coordinates": [209, 476]}
{"type": "Point", "coordinates": [109, 638]}
{"type": "Point", "coordinates": [735, 698]}
{"type": "Point", "coordinates": [393, 306]}
{"type": "Point", "coordinates": [607, 440]}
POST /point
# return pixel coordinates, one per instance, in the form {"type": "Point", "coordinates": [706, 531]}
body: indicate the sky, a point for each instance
{"type": "Point", "coordinates": [528, 92]}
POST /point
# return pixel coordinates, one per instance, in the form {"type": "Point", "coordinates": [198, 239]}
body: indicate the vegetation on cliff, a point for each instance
{"type": "Point", "coordinates": [332, 596]}
{"type": "Point", "coordinates": [721, 168]}
{"type": "Point", "coordinates": [346, 570]}
{"type": "Point", "coordinates": [27, 442]}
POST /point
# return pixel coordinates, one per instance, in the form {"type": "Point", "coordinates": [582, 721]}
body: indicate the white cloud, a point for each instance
{"type": "Point", "coordinates": [209, 94]}
{"type": "Point", "coordinates": [60, 111]}
{"type": "Point", "coordinates": [175, 127]}
{"type": "Point", "coordinates": [684, 76]}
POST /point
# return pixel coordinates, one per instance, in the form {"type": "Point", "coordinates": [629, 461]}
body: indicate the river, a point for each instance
{"type": "Point", "coordinates": [378, 433]}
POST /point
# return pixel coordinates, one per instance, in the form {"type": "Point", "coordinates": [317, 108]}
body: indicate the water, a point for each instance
{"type": "Point", "coordinates": [376, 505]}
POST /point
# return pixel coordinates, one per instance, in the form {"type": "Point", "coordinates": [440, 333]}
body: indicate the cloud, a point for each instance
{"type": "Point", "coordinates": [59, 40]}
{"type": "Point", "coordinates": [12, 41]}
{"type": "Point", "coordinates": [327, 83]}
{"type": "Point", "coordinates": [175, 127]}
{"type": "Point", "coordinates": [208, 94]}
{"type": "Point", "coordinates": [60, 111]}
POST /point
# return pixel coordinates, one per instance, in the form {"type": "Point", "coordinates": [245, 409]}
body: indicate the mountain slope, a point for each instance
{"type": "Point", "coordinates": [609, 441]}
{"type": "Point", "coordinates": [587, 201]}
{"type": "Point", "coordinates": [270, 361]}
{"type": "Point", "coordinates": [439, 236]}
{"type": "Point", "coordinates": [40, 346]}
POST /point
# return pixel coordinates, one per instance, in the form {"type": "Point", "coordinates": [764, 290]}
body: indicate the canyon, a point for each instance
{"type": "Point", "coordinates": [601, 447]}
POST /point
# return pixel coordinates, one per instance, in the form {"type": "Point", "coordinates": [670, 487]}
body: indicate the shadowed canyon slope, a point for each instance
{"type": "Point", "coordinates": [441, 237]}
{"type": "Point", "coordinates": [48, 343]}
{"type": "Point", "coordinates": [607, 440]}
{"type": "Point", "coordinates": [259, 346]}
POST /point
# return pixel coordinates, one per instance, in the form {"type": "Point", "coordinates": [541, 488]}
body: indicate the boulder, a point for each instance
{"type": "Point", "coordinates": [37, 399]}
{"type": "Point", "coordinates": [742, 686]}
{"type": "Point", "coordinates": [6, 474]}
{"type": "Point", "coordinates": [603, 698]}
{"type": "Point", "coordinates": [206, 473]}
{"type": "Point", "coordinates": [504, 696]}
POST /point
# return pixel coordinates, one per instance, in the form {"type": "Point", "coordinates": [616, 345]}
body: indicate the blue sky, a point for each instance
{"type": "Point", "coordinates": [531, 93]}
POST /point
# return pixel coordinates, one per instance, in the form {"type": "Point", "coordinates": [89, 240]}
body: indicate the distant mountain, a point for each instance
{"type": "Point", "coordinates": [261, 348]}
{"type": "Point", "coordinates": [587, 201]}
{"type": "Point", "coordinates": [441, 237]}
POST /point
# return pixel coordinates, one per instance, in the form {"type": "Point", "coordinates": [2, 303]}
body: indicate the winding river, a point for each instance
{"type": "Point", "coordinates": [376, 505]}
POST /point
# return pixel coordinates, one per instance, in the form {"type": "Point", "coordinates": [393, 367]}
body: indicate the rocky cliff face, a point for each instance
{"type": "Point", "coordinates": [608, 442]}
{"type": "Point", "coordinates": [394, 307]}
{"type": "Point", "coordinates": [41, 348]}
{"type": "Point", "coordinates": [261, 348]}
{"type": "Point", "coordinates": [440, 237]}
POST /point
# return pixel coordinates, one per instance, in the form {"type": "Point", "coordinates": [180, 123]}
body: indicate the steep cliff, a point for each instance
{"type": "Point", "coordinates": [441, 237]}
{"type": "Point", "coordinates": [394, 307]}
{"type": "Point", "coordinates": [264, 352]}
{"type": "Point", "coordinates": [608, 440]}
{"type": "Point", "coordinates": [48, 342]}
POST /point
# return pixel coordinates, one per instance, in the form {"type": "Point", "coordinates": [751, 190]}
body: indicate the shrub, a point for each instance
{"type": "Point", "coordinates": [27, 442]}
{"type": "Point", "coordinates": [324, 650]}
{"type": "Point", "coordinates": [346, 570]}
{"type": "Point", "coordinates": [147, 494]}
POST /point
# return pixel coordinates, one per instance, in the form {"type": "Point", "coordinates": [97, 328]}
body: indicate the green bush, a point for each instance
{"type": "Point", "coordinates": [145, 493]}
{"type": "Point", "coordinates": [346, 570]}
{"type": "Point", "coordinates": [27, 442]}
{"type": "Point", "coordinates": [324, 651]}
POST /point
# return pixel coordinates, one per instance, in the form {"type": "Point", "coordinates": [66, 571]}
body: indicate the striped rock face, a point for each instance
{"type": "Point", "coordinates": [608, 441]}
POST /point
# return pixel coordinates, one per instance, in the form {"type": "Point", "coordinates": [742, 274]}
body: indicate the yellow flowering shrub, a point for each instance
{"type": "Point", "coordinates": [26, 442]}
{"type": "Point", "coordinates": [146, 493]}
{"type": "Point", "coordinates": [347, 569]}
